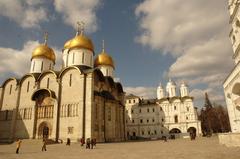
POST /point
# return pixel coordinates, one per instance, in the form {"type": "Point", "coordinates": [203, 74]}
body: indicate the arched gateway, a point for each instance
{"type": "Point", "coordinates": [44, 108]}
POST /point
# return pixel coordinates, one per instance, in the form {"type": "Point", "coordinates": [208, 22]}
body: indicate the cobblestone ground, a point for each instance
{"type": "Point", "coordinates": [201, 148]}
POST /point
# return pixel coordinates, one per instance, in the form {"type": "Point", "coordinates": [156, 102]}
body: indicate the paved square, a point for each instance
{"type": "Point", "coordinates": [202, 148]}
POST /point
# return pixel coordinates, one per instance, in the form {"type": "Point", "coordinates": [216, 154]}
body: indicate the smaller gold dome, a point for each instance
{"type": "Point", "coordinates": [103, 59]}
{"type": "Point", "coordinates": [81, 41]}
{"type": "Point", "coordinates": [44, 51]}
{"type": "Point", "coordinates": [67, 44]}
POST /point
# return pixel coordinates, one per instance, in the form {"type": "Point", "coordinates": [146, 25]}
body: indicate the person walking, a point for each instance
{"type": "Point", "coordinates": [68, 142]}
{"type": "Point", "coordinates": [44, 147]}
{"type": "Point", "coordinates": [88, 143]}
{"type": "Point", "coordinates": [18, 145]}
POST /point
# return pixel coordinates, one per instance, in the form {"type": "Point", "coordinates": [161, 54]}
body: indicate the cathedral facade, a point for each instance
{"type": "Point", "coordinates": [80, 100]}
{"type": "Point", "coordinates": [168, 115]}
{"type": "Point", "coordinates": [232, 82]}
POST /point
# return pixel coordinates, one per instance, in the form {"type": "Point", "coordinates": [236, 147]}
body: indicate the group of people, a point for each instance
{"type": "Point", "coordinates": [90, 143]}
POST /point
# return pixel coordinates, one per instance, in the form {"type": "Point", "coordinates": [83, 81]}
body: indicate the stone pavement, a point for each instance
{"type": "Point", "coordinates": [201, 148]}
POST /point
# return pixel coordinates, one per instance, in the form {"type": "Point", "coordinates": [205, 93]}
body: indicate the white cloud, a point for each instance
{"type": "Point", "coordinates": [27, 13]}
{"type": "Point", "coordinates": [17, 62]}
{"type": "Point", "coordinates": [195, 33]}
{"type": "Point", "coordinates": [78, 10]}
{"type": "Point", "coordinates": [145, 92]}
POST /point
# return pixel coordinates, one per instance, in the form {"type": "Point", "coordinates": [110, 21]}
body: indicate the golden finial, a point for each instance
{"type": "Point", "coordinates": [45, 38]}
{"type": "Point", "coordinates": [80, 27]}
{"type": "Point", "coordinates": [103, 46]}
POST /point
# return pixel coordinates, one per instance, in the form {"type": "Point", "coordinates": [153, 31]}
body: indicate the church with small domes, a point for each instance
{"type": "Point", "coordinates": [81, 100]}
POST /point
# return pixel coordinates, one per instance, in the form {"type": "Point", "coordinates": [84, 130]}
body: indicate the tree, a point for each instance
{"type": "Point", "coordinates": [214, 118]}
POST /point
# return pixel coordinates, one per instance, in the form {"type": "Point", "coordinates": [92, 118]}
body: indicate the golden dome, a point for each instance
{"type": "Point", "coordinates": [44, 51]}
{"type": "Point", "coordinates": [103, 59]}
{"type": "Point", "coordinates": [66, 45]}
{"type": "Point", "coordinates": [81, 41]}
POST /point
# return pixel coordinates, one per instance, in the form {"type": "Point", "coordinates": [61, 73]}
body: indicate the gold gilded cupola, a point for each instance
{"type": "Point", "coordinates": [104, 62]}
{"type": "Point", "coordinates": [80, 40]}
{"type": "Point", "coordinates": [103, 58]}
{"type": "Point", "coordinates": [43, 50]}
{"type": "Point", "coordinates": [43, 57]}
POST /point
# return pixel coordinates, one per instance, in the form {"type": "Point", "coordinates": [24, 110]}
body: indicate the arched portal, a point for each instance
{"type": "Point", "coordinates": [192, 132]}
{"type": "Point", "coordinates": [44, 130]}
{"type": "Point", "coordinates": [175, 131]}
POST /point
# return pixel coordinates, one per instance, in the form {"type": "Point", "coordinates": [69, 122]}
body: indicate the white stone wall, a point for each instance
{"type": "Point", "coordinates": [40, 64]}
{"type": "Point", "coordinates": [80, 57]}
{"type": "Point", "coordinates": [159, 118]}
{"type": "Point", "coordinates": [72, 95]}
{"type": "Point", "coordinates": [24, 123]}
{"type": "Point", "coordinates": [107, 70]}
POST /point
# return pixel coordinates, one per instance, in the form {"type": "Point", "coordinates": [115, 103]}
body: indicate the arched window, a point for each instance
{"type": "Point", "coordinates": [42, 66]}
{"type": "Point", "coordinates": [28, 86]}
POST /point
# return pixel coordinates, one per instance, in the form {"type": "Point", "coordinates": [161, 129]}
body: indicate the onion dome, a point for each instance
{"type": "Point", "coordinates": [66, 45]}
{"type": "Point", "coordinates": [44, 51]}
{"type": "Point", "coordinates": [104, 59]}
{"type": "Point", "coordinates": [80, 40]}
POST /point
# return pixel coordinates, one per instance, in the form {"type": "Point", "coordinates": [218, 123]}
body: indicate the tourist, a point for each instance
{"type": "Point", "coordinates": [44, 145]}
{"type": "Point", "coordinates": [68, 142]}
{"type": "Point", "coordinates": [88, 142]}
{"type": "Point", "coordinates": [82, 141]}
{"type": "Point", "coordinates": [18, 145]}
{"type": "Point", "coordinates": [92, 143]}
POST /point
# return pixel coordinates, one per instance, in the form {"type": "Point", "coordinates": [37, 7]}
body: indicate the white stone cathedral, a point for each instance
{"type": "Point", "coordinates": [232, 82]}
{"type": "Point", "coordinates": [169, 114]}
{"type": "Point", "coordinates": [80, 100]}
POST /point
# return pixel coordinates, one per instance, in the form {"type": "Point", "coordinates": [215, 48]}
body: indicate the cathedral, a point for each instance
{"type": "Point", "coordinates": [80, 100]}
{"type": "Point", "coordinates": [169, 115]}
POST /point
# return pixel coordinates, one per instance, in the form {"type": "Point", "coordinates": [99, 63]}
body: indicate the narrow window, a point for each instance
{"type": "Point", "coordinates": [142, 132]}
{"type": "Point", "coordinates": [147, 120]}
{"type": "Point", "coordinates": [107, 72]}
{"type": "Point", "coordinates": [153, 110]}
{"type": "Point", "coordinates": [149, 132]}
{"type": "Point", "coordinates": [33, 65]}
{"type": "Point", "coordinates": [176, 119]}
{"type": "Point", "coordinates": [153, 120]}
{"type": "Point", "coordinates": [133, 100]}
{"type": "Point", "coordinates": [186, 118]}
{"type": "Point", "coordinates": [91, 60]}
{"type": "Point", "coordinates": [175, 107]}
{"type": "Point", "coordinates": [140, 110]}
{"type": "Point", "coordinates": [42, 66]}
{"type": "Point", "coordinates": [133, 121]}
{"type": "Point", "coordinates": [10, 90]}
{"type": "Point", "coordinates": [69, 110]}
{"type": "Point", "coordinates": [28, 86]}
{"type": "Point", "coordinates": [83, 57]}
{"type": "Point", "coordinates": [132, 111]}
{"type": "Point", "coordinates": [188, 109]}
{"type": "Point", "coordinates": [73, 59]}
{"type": "Point", "coordinates": [48, 83]}
{"type": "Point", "coordinates": [155, 132]}
{"type": "Point", "coordinates": [148, 110]}
{"type": "Point", "coordinates": [141, 121]}
{"type": "Point", "coordinates": [50, 66]}
{"type": "Point", "coordinates": [70, 80]}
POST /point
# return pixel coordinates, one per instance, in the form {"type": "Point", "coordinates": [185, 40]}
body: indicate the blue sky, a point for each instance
{"type": "Point", "coordinates": [149, 40]}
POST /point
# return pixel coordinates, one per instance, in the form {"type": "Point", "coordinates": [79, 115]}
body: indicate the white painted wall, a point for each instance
{"type": "Point", "coordinates": [80, 57]}
{"type": "Point", "coordinates": [40, 64]}
{"type": "Point", "coordinates": [107, 70]}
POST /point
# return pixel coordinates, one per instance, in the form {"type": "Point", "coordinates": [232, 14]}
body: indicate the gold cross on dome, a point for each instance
{"type": "Point", "coordinates": [80, 27]}
{"type": "Point", "coordinates": [103, 46]}
{"type": "Point", "coordinates": [45, 37]}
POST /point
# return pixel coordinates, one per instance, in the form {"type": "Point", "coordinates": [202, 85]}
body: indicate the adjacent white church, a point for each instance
{"type": "Point", "coordinates": [80, 100]}
{"type": "Point", "coordinates": [169, 114]}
